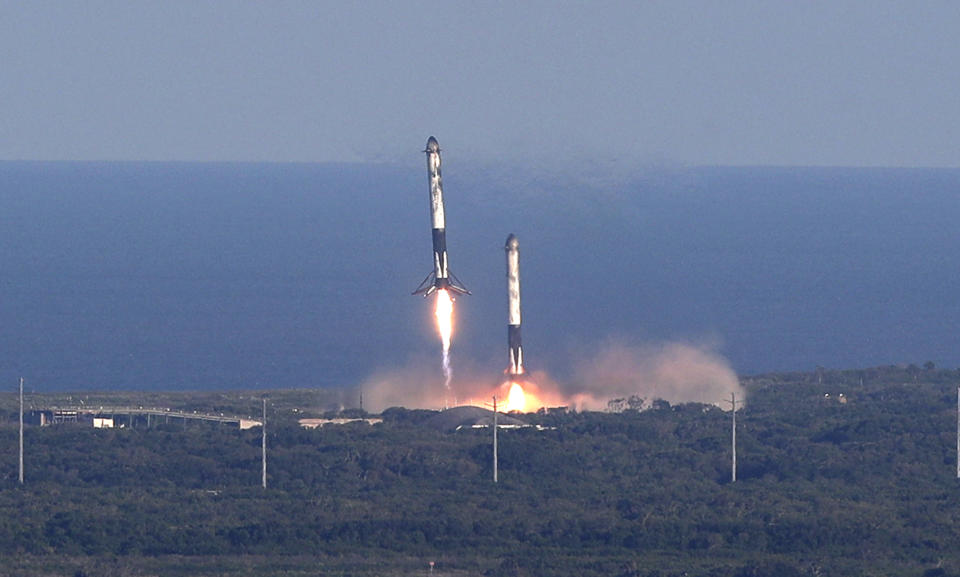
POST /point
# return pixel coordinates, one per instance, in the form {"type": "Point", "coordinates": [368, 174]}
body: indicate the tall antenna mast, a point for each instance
{"type": "Point", "coordinates": [21, 432]}
{"type": "Point", "coordinates": [264, 442]}
{"type": "Point", "coordinates": [494, 438]}
{"type": "Point", "coordinates": [733, 438]}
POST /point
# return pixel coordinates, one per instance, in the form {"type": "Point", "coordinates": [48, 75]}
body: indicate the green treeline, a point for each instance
{"type": "Point", "coordinates": [840, 473]}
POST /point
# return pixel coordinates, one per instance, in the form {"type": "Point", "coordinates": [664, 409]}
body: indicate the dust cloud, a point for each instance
{"type": "Point", "coordinates": [674, 372]}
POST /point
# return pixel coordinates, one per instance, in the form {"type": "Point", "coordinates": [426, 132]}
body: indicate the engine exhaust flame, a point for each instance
{"type": "Point", "coordinates": [516, 398]}
{"type": "Point", "coordinates": [444, 314]}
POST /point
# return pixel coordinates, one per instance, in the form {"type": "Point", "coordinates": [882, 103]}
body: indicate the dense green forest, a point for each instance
{"type": "Point", "coordinates": [839, 473]}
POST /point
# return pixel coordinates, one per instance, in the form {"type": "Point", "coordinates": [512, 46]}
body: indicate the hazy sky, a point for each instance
{"type": "Point", "coordinates": [545, 83]}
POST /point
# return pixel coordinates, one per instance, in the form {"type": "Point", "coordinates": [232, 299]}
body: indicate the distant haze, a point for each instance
{"type": "Point", "coordinates": [197, 276]}
{"type": "Point", "coordinates": [740, 82]}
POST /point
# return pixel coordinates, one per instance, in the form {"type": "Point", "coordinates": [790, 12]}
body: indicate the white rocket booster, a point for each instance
{"type": "Point", "coordinates": [440, 277]}
{"type": "Point", "coordinates": [515, 369]}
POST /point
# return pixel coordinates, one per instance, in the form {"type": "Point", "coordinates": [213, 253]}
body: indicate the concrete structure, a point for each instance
{"type": "Point", "coordinates": [121, 417]}
{"type": "Point", "coordinates": [314, 423]}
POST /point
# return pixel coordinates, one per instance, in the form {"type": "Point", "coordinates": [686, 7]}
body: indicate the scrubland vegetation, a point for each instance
{"type": "Point", "coordinates": [863, 484]}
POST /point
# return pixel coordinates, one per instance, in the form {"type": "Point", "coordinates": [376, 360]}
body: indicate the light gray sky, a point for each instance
{"type": "Point", "coordinates": [787, 83]}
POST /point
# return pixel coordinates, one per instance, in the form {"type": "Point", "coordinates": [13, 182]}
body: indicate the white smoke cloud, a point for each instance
{"type": "Point", "coordinates": [412, 386]}
{"type": "Point", "coordinates": [420, 384]}
{"type": "Point", "coordinates": [674, 372]}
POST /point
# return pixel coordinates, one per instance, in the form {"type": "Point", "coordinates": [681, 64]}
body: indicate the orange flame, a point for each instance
{"type": "Point", "coordinates": [516, 398]}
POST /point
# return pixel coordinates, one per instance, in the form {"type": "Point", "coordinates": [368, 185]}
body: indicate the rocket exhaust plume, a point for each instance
{"type": "Point", "coordinates": [444, 314]}
{"type": "Point", "coordinates": [516, 398]}
{"type": "Point", "coordinates": [440, 280]}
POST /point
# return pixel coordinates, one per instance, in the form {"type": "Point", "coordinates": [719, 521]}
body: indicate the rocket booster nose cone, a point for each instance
{"type": "Point", "coordinates": [512, 243]}
{"type": "Point", "coordinates": [432, 145]}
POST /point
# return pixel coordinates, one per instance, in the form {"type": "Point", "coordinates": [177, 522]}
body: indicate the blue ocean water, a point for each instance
{"type": "Point", "coordinates": [166, 276]}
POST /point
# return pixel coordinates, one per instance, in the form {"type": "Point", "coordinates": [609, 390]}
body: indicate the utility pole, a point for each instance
{"type": "Point", "coordinates": [494, 438]}
{"type": "Point", "coordinates": [21, 431]}
{"type": "Point", "coordinates": [733, 438]}
{"type": "Point", "coordinates": [958, 432]}
{"type": "Point", "coordinates": [264, 441]}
